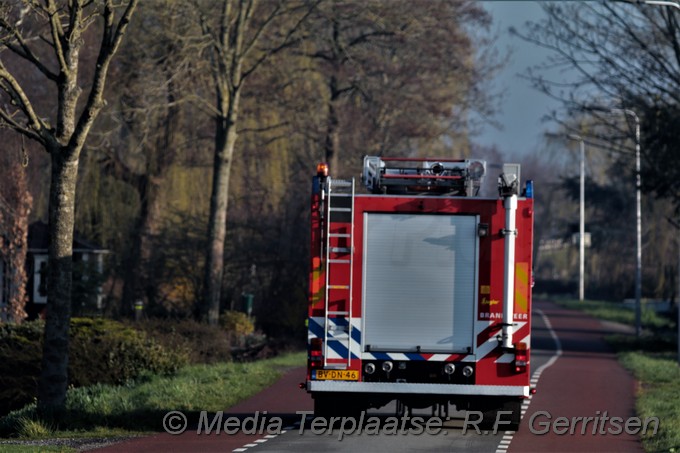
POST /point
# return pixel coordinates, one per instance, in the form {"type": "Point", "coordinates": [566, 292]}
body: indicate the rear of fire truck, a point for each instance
{"type": "Point", "coordinates": [420, 289]}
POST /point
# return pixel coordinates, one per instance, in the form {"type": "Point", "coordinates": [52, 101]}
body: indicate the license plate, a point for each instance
{"type": "Point", "coordinates": [336, 375]}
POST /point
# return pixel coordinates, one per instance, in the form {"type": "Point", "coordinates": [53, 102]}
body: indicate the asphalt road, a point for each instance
{"type": "Point", "coordinates": [574, 371]}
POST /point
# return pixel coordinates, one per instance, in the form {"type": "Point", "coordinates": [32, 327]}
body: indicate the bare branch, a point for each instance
{"type": "Point", "coordinates": [24, 51]}
{"type": "Point", "coordinates": [10, 122]}
{"type": "Point", "coordinates": [285, 43]}
{"type": "Point", "coordinates": [111, 38]}
{"type": "Point", "coordinates": [20, 100]}
{"type": "Point", "coordinates": [57, 36]}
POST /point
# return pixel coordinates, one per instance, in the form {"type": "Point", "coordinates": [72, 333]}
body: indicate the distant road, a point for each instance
{"type": "Point", "coordinates": [585, 381]}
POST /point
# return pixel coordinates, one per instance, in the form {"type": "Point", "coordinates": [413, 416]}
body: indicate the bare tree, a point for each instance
{"type": "Point", "coordinates": [398, 75]}
{"type": "Point", "coordinates": [241, 38]}
{"type": "Point", "coordinates": [148, 129]}
{"type": "Point", "coordinates": [48, 36]}
{"type": "Point", "coordinates": [617, 55]}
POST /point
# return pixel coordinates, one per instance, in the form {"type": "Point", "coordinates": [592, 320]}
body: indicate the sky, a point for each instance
{"type": "Point", "coordinates": [521, 107]}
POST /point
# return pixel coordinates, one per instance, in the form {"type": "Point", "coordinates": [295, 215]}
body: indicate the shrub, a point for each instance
{"type": "Point", "coordinates": [100, 351]}
{"type": "Point", "coordinates": [237, 324]}
{"type": "Point", "coordinates": [20, 353]}
{"type": "Point", "coordinates": [201, 343]}
{"type": "Point", "coordinates": [110, 352]}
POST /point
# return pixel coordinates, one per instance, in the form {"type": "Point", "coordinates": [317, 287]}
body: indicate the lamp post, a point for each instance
{"type": "Point", "coordinates": [581, 224]}
{"type": "Point", "coordinates": [676, 5]}
{"type": "Point", "coordinates": [638, 220]}
{"type": "Point", "coordinates": [659, 3]}
{"type": "Point", "coordinates": [673, 4]}
{"type": "Point", "coordinates": [638, 211]}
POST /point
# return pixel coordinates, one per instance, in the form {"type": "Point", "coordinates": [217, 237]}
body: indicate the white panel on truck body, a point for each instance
{"type": "Point", "coordinates": [419, 281]}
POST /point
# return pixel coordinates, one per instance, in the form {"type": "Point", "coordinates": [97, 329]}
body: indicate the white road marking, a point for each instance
{"type": "Point", "coordinates": [503, 447]}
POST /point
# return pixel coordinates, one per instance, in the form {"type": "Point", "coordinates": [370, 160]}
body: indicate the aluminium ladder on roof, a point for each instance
{"type": "Point", "coordinates": [338, 322]}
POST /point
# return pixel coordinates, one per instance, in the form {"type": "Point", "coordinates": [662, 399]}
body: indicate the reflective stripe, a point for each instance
{"type": "Point", "coordinates": [429, 389]}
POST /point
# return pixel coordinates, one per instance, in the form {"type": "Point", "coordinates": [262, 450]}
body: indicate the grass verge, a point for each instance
{"type": "Point", "coordinates": [658, 396]}
{"type": "Point", "coordinates": [139, 405]}
{"type": "Point", "coordinates": [653, 361]}
{"type": "Point", "coordinates": [617, 312]}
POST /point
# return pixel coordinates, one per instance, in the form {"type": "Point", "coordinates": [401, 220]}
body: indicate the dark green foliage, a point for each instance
{"type": "Point", "coordinates": [101, 351]}
{"type": "Point", "coordinates": [109, 352]}
{"type": "Point", "coordinates": [20, 350]}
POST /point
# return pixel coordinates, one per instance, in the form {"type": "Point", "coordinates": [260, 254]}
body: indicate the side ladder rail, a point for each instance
{"type": "Point", "coordinates": [330, 263]}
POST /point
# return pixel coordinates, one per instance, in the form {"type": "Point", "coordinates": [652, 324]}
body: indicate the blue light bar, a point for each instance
{"type": "Point", "coordinates": [529, 190]}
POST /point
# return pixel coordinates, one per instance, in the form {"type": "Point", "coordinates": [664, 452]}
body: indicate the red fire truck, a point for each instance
{"type": "Point", "coordinates": [420, 289]}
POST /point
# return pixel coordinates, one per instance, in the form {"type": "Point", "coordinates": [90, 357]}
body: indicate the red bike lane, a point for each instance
{"type": "Point", "coordinates": [585, 381]}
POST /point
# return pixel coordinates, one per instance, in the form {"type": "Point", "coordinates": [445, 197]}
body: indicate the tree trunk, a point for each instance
{"type": "Point", "coordinates": [54, 376]}
{"type": "Point", "coordinates": [332, 144]}
{"type": "Point", "coordinates": [150, 229]}
{"type": "Point", "coordinates": [230, 50]}
{"type": "Point", "coordinates": [225, 142]}
{"type": "Point", "coordinates": [140, 279]}
{"type": "Point", "coordinates": [139, 282]}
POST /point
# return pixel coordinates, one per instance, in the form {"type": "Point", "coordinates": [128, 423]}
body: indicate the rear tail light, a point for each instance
{"type": "Point", "coordinates": [316, 350]}
{"type": "Point", "coordinates": [521, 357]}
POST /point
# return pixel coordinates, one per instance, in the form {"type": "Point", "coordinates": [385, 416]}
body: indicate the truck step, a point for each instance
{"type": "Point", "coordinates": [339, 337]}
{"type": "Point", "coordinates": [336, 367]}
{"type": "Point", "coordinates": [338, 286]}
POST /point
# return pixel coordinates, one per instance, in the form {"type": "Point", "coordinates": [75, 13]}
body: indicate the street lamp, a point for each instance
{"type": "Point", "coordinates": [659, 3]}
{"type": "Point", "coordinates": [638, 220]}
{"type": "Point", "coordinates": [581, 224]}
{"type": "Point", "coordinates": [653, 2]}
{"type": "Point", "coordinates": [676, 5]}
{"type": "Point", "coordinates": [638, 211]}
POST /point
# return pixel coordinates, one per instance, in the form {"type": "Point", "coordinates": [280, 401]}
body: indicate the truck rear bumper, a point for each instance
{"type": "Point", "coordinates": [413, 388]}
